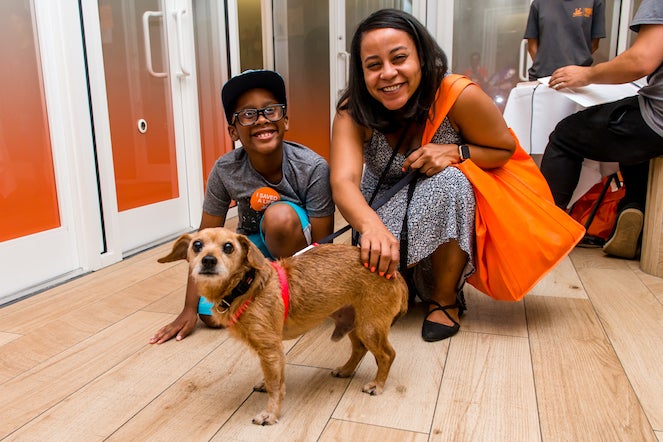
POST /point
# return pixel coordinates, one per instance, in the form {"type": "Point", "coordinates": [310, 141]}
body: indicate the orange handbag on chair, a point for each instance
{"type": "Point", "coordinates": [520, 233]}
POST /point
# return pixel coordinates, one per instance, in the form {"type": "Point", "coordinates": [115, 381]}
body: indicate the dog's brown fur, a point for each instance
{"type": "Point", "coordinates": [328, 280]}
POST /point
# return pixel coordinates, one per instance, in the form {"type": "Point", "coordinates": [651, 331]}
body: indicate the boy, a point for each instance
{"type": "Point", "coordinates": [281, 188]}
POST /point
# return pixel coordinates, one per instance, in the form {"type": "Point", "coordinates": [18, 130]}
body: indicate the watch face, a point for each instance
{"type": "Point", "coordinates": [465, 151]}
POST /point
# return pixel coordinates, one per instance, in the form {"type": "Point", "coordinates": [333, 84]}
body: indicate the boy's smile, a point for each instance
{"type": "Point", "coordinates": [262, 140]}
{"type": "Point", "coordinates": [264, 133]}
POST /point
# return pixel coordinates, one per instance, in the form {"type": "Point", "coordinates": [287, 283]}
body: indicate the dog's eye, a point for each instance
{"type": "Point", "coordinates": [228, 248]}
{"type": "Point", "coordinates": [197, 246]}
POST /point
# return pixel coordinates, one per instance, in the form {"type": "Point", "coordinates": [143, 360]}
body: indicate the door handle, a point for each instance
{"type": "Point", "coordinates": [180, 42]}
{"type": "Point", "coordinates": [148, 44]}
{"type": "Point", "coordinates": [522, 62]}
{"type": "Point", "coordinates": [346, 63]}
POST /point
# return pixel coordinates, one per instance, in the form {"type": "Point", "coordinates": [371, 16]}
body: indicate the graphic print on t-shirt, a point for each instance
{"type": "Point", "coordinates": [263, 197]}
{"type": "Point", "coordinates": [259, 201]}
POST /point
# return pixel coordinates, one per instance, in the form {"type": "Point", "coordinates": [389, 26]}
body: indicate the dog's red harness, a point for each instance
{"type": "Point", "coordinates": [285, 295]}
{"type": "Point", "coordinates": [285, 290]}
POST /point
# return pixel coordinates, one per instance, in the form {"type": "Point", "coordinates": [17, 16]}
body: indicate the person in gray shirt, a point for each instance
{"type": "Point", "coordinates": [281, 189]}
{"type": "Point", "coordinates": [563, 32]}
{"type": "Point", "coordinates": [628, 131]}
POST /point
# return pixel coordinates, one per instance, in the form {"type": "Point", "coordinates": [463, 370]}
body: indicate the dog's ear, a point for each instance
{"type": "Point", "coordinates": [179, 251]}
{"type": "Point", "coordinates": [254, 256]}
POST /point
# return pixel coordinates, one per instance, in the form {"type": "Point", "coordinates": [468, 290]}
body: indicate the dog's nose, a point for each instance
{"type": "Point", "coordinates": [209, 261]}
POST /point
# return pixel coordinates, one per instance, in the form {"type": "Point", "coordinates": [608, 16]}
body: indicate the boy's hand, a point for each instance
{"type": "Point", "coordinates": [181, 326]}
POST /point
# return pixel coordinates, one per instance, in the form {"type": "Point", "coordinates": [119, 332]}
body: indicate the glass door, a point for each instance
{"type": "Point", "coordinates": [345, 15]}
{"type": "Point", "coordinates": [311, 40]}
{"type": "Point", "coordinates": [301, 55]}
{"type": "Point", "coordinates": [488, 39]}
{"type": "Point", "coordinates": [149, 89]}
{"type": "Point", "coordinates": [42, 160]}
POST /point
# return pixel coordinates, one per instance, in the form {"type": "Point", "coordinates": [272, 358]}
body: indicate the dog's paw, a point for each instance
{"type": "Point", "coordinates": [340, 373]}
{"type": "Point", "coordinates": [260, 386]}
{"type": "Point", "coordinates": [265, 418]}
{"type": "Point", "coordinates": [372, 388]}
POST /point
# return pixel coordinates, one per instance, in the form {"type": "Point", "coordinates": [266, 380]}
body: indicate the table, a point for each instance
{"type": "Point", "coordinates": [532, 111]}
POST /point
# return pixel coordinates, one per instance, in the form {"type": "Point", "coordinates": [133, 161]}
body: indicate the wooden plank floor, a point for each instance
{"type": "Point", "coordinates": [578, 359]}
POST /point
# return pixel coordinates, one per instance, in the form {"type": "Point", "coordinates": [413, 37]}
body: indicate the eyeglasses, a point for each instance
{"type": "Point", "coordinates": [247, 117]}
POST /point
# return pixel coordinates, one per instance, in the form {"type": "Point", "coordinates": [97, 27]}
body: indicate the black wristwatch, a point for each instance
{"type": "Point", "coordinates": [463, 152]}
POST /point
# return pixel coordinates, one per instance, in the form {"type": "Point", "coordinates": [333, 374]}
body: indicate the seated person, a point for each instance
{"type": "Point", "coordinates": [628, 131]}
{"type": "Point", "coordinates": [281, 188]}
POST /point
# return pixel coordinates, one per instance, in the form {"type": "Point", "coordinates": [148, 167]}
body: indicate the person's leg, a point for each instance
{"type": "Point", "coordinates": [626, 236]}
{"type": "Point", "coordinates": [285, 229]}
{"type": "Point", "coordinates": [448, 263]}
{"type": "Point", "coordinates": [610, 132]}
{"type": "Point", "coordinates": [562, 159]}
{"type": "Point", "coordinates": [205, 312]}
{"type": "Point", "coordinates": [636, 177]}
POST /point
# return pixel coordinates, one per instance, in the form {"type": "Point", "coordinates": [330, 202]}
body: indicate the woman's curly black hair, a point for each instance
{"type": "Point", "coordinates": [356, 99]}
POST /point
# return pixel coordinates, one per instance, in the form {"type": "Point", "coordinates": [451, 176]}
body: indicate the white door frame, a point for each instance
{"type": "Point", "coordinates": [40, 260]}
{"type": "Point", "coordinates": [177, 19]}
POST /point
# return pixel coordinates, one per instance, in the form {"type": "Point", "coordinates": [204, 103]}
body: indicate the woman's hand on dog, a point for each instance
{"type": "Point", "coordinates": [380, 251]}
{"type": "Point", "coordinates": [181, 326]}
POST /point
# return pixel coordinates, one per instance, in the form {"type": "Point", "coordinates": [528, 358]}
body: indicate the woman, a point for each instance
{"type": "Point", "coordinates": [396, 68]}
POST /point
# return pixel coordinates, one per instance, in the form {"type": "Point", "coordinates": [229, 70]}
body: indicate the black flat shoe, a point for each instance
{"type": "Point", "coordinates": [434, 331]}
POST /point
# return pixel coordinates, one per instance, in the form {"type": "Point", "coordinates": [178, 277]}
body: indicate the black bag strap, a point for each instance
{"type": "Point", "coordinates": [355, 234]}
{"type": "Point", "coordinates": [386, 197]}
{"type": "Point", "coordinates": [391, 160]}
{"type": "Point", "coordinates": [404, 227]}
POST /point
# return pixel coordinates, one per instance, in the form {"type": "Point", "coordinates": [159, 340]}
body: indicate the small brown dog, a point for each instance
{"type": "Point", "coordinates": [329, 280]}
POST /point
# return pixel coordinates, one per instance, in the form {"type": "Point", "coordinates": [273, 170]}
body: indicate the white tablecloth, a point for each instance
{"type": "Point", "coordinates": [532, 111]}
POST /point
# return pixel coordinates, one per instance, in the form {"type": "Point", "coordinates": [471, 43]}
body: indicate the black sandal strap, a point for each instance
{"type": "Point", "coordinates": [443, 309]}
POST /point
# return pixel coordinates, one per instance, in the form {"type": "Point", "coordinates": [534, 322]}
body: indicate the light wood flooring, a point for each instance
{"type": "Point", "coordinates": [579, 359]}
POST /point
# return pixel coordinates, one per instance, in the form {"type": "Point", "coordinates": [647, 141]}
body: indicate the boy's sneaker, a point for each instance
{"type": "Point", "coordinates": [624, 240]}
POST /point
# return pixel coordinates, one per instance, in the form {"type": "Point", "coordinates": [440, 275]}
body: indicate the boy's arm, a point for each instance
{"type": "Point", "coordinates": [185, 322]}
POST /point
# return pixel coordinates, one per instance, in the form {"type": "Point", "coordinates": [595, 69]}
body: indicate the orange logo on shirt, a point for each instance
{"type": "Point", "coordinates": [582, 12]}
{"type": "Point", "coordinates": [263, 197]}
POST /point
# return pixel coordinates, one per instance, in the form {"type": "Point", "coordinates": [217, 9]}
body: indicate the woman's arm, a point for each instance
{"type": "Point", "coordinates": [379, 247]}
{"type": "Point", "coordinates": [481, 126]}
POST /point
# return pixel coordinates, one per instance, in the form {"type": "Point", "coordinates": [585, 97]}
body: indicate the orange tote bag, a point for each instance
{"type": "Point", "coordinates": [520, 233]}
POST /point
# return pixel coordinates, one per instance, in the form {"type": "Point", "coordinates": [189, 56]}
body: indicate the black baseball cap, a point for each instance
{"type": "Point", "coordinates": [247, 80]}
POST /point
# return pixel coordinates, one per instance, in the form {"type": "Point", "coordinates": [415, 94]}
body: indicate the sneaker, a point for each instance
{"type": "Point", "coordinates": [624, 241]}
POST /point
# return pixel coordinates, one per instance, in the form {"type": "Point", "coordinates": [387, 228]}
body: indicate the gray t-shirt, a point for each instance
{"type": "Point", "coordinates": [564, 29]}
{"type": "Point", "coordinates": [305, 182]}
{"type": "Point", "coordinates": [650, 12]}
